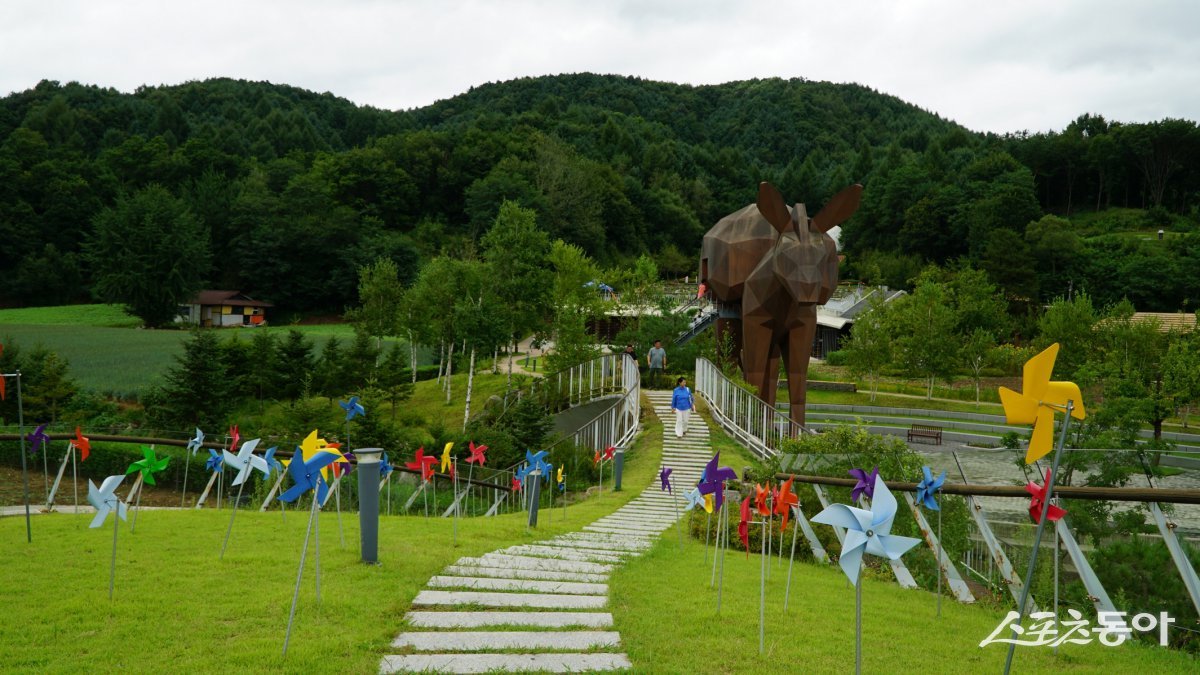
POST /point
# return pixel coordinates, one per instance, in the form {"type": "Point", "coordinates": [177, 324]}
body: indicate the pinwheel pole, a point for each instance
{"type": "Point", "coordinates": [678, 520]}
{"type": "Point", "coordinates": [1037, 537]}
{"type": "Point", "coordinates": [112, 566]}
{"type": "Point", "coordinates": [791, 559]}
{"type": "Point", "coordinates": [455, 540]}
{"type": "Point", "coordinates": [762, 583]}
{"type": "Point", "coordinates": [62, 469]}
{"type": "Point", "coordinates": [858, 620]}
{"type": "Point", "coordinates": [186, 463]}
{"type": "Point", "coordinates": [312, 514]}
{"type": "Point", "coordinates": [137, 487]}
{"type": "Point", "coordinates": [721, 551]}
{"type": "Point", "coordinates": [24, 468]}
{"type": "Point", "coordinates": [75, 476]}
{"type": "Point", "coordinates": [232, 513]}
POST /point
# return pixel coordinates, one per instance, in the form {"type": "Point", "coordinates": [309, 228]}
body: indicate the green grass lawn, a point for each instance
{"type": "Point", "coordinates": [178, 608]}
{"type": "Point", "coordinates": [666, 614]}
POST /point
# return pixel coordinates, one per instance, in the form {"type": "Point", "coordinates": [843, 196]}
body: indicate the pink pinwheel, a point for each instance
{"type": "Point", "coordinates": [3, 386]}
{"type": "Point", "coordinates": [665, 478]}
{"type": "Point", "coordinates": [865, 485]}
{"type": "Point", "coordinates": [1038, 500]}
{"type": "Point", "coordinates": [477, 456]}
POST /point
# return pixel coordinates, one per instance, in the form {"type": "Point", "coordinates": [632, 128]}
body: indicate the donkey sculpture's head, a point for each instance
{"type": "Point", "coordinates": [802, 266]}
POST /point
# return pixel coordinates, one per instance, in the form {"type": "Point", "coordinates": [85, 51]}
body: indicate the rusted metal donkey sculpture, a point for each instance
{"type": "Point", "coordinates": [768, 267]}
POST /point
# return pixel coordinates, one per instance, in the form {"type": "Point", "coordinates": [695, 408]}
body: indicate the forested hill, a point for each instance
{"type": "Point", "coordinates": [283, 193]}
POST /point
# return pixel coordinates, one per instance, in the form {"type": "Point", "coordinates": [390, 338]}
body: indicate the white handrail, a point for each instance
{"type": "Point", "coordinates": [749, 419]}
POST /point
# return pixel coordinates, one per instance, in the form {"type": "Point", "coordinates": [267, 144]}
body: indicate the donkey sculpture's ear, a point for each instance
{"type": "Point", "coordinates": [837, 211]}
{"type": "Point", "coordinates": [773, 208]}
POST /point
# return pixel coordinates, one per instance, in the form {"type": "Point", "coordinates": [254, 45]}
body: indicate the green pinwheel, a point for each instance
{"type": "Point", "coordinates": [146, 467]}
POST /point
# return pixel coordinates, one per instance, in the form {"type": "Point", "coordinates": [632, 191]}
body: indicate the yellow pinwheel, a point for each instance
{"type": "Point", "coordinates": [311, 445]}
{"type": "Point", "coordinates": [447, 462]}
{"type": "Point", "coordinates": [1038, 400]}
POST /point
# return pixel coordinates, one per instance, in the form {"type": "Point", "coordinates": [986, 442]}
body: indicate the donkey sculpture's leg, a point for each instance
{"type": "Point", "coordinates": [798, 351]}
{"type": "Point", "coordinates": [760, 358]}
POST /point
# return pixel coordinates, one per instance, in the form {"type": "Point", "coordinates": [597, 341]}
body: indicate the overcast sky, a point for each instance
{"type": "Point", "coordinates": [991, 66]}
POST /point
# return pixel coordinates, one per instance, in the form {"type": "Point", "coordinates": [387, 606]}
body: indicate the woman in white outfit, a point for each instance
{"type": "Point", "coordinates": [683, 405]}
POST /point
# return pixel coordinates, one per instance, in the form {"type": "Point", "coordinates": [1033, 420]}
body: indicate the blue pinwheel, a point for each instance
{"type": "Point", "coordinates": [272, 463]}
{"type": "Point", "coordinates": [197, 442]}
{"type": "Point", "coordinates": [353, 408]}
{"type": "Point", "coordinates": [665, 477]}
{"type": "Point", "coordinates": [385, 467]}
{"type": "Point", "coordinates": [215, 460]}
{"type": "Point", "coordinates": [867, 531]}
{"type": "Point", "coordinates": [537, 462]}
{"type": "Point", "coordinates": [713, 482]}
{"type": "Point", "coordinates": [865, 485]}
{"type": "Point", "coordinates": [929, 487]}
{"type": "Point", "coordinates": [307, 476]}
{"type": "Point", "coordinates": [37, 439]}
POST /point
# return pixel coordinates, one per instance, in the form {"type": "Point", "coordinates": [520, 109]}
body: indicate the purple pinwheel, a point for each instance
{"type": "Point", "coordinates": [37, 439]}
{"type": "Point", "coordinates": [865, 485]}
{"type": "Point", "coordinates": [713, 482]}
{"type": "Point", "coordinates": [665, 477]}
{"type": "Point", "coordinates": [929, 487]}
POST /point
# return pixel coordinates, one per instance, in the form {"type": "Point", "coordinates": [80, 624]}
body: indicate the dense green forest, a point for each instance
{"type": "Point", "coordinates": [285, 193]}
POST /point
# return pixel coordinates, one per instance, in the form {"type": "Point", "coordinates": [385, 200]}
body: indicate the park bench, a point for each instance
{"type": "Point", "coordinates": [925, 433]}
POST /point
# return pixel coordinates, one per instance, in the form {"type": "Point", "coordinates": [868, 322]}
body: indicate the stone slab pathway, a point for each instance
{"type": "Point", "coordinates": [555, 584]}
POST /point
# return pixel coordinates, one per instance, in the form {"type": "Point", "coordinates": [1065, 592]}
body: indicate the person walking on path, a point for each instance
{"type": "Point", "coordinates": [682, 405]}
{"type": "Point", "coordinates": [657, 360]}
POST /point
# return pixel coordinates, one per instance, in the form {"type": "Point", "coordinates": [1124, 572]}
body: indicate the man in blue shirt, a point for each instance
{"type": "Point", "coordinates": [683, 405]}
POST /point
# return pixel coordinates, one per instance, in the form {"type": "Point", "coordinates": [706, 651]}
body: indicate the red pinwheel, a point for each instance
{"type": "Point", "coordinates": [608, 452]}
{"type": "Point", "coordinates": [516, 485]}
{"type": "Point", "coordinates": [477, 456]}
{"type": "Point", "coordinates": [234, 438]}
{"type": "Point", "coordinates": [82, 444]}
{"type": "Point", "coordinates": [744, 525]}
{"type": "Point", "coordinates": [760, 500]}
{"type": "Point", "coordinates": [1038, 499]}
{"type": "Point", "coordinates": [3, 386]}
{"type": "Point", "coordinates": [785, 500]}
{"type": "Point", "coordinates": [422, 463]}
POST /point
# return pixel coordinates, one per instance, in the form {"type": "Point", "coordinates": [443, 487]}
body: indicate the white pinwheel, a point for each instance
{"type": "Point", "coordinates": [245, 460]}
{"type": "Point", "coordinates": [867, 530]}
{"type": "Point", "coordinates": [103, 500]}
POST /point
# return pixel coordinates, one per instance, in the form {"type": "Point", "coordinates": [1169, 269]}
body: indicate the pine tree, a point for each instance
{"type": "Point", "coordinates": [196, 388]}
{"type": "Point", "coordinates": [295, 364]}
{"type": "Point", "coordinates": [394, 378]}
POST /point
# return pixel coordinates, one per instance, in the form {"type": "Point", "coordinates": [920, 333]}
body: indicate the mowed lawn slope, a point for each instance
{"type": "Point", "coordinates": [179, 609]}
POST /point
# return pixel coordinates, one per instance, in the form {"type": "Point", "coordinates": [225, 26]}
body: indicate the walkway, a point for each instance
{"type": "Point", "coordinates": [541, 606]}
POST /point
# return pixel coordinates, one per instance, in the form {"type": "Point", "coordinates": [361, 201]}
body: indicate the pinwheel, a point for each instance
{"type": "Point", "coordinates": [1038, 401]}
{"type": "Point", "coordinates": [1035, 405]}
{"type": "Point", "coordinates": [537, 462]}
{"type": "Point", "coordinates": [744, 525]}
{"type": "Point", "coordinates": [760, 500]}
{"type": "Point", "coordinates": [245, 461]}
{"type": "Point", "coordinates": [516, 485]}
{"type": "Point", "coordinates": [215, 464]}
{"type": "Point", "coordinates": [713, 481]}
{"type": "Point", "coordinates": [385, 474]}
{"type": "Point", "coordinates": [449, 463]}
{"type": "Point", "coordinates": [307, 475]}
{"type": "Point", "coordinates": [609, 453]}
{"type": "Point", "coordinates": [79, 444]}
{"type": "Point", "coordinates": [193, 446]}
{"type": "Point", "coordinates": [272, 463]}
{"type": "Point", "coordinates": [697, 500]}
{"type": "Point", "coordinates": [867, 531]}
{"type": "Point", "coordinates": [562, 485]}
{"type": "Point", "coordinates": [785, 501]}
{"type": "Point", "coordinates": [664, 477]}
{"type": "Point", "coordinates": [104, 500]}
{"type": "Point", "coordinates": [146, 468]}
{"type": "Point", "coordinates": [447, 466]}
{"type": "Point", "coordinates": [478, 455]}
{"type": "Point", "coordinates": [37, 439]}
{"type": "Point", "coordinates": [927, 490]}
{"type": "Point", "coordinates": [865, 485]}
{"type": "Point", "coordinates": [1038, 497]}
{"type": "Point", "coordinates": [353, 408]}
{"type": "Point", "coordinates": [234, 436]}
{"type": "Point", "coordinates": [423, 464]}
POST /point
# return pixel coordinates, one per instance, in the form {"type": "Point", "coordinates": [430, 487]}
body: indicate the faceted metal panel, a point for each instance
{"type": "Point", "coordinates": [779, 264]}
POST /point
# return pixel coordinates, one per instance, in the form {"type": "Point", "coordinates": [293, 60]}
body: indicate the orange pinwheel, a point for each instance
{"type": "Point", "coordinates": [785, 501]}
{"type": "Point", "coordinates": [760, 500]}
{"type": "Point", "coordinates": [82, 444]}
{"type": "Point", "coordinates": [596, 458]}
{"type": "Point", "coordinates": [1038, 400]}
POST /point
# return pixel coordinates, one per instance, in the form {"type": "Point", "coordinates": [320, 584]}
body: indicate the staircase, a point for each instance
{"type": "Point", "coordinates": [540, 606]}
